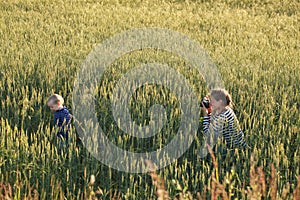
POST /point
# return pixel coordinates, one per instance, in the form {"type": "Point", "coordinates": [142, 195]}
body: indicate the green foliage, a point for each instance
{"type": "Point", "coordinates": [255, 45]}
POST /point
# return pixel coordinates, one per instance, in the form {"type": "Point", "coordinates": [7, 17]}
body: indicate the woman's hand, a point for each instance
{"type": "Point", "coordinates": [206, 111]}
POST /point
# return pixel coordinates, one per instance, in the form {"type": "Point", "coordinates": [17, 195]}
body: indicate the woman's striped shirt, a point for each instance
{"type": "Point", "coordinates": [227, 125]}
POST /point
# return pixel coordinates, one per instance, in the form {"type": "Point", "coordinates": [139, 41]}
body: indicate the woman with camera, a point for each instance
{"type": "Point", "coordinates": [221, 121]}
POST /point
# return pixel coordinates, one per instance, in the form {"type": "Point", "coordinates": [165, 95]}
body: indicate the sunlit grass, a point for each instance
{"type": "Point", "coordinates": [255, 45]}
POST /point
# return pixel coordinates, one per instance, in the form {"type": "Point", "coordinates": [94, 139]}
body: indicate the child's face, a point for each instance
{"type": "Point", "coordinates": [53, 106]}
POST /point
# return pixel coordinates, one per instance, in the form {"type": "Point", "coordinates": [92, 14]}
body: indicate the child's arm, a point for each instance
{"type": "Point", "coordinates": [56, 120]}
{"type": "Point", "coordinates": [66, 119]}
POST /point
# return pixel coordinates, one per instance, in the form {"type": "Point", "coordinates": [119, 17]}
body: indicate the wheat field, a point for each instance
{"type": "Point", "coordinates": [254, 44]}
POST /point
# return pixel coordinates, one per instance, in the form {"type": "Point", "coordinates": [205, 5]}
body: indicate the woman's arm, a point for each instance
{"type": "Point", "coordinates": [213, 125]}
{"type": "Point", "coordinates": [206, 120]}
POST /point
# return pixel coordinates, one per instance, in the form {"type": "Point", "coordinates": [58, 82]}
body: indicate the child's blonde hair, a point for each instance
{"type": "Point", "coordinates": [222, 94]}
{"type": "Point", "coordinates": [55, 98]}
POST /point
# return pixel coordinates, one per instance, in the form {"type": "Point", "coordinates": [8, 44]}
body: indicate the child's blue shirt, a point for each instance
{"type": "Point", "coordinates": [61, 119]}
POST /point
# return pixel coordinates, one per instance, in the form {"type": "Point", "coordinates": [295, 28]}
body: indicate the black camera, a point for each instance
{"type": "Point", "coordinates": [205, 102]}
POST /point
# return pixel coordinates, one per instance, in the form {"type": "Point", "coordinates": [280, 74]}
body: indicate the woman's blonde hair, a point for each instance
{"type": "Point", "coordinates": [55, 98]}
{"type": "Point", "coordinates": [222, 94]}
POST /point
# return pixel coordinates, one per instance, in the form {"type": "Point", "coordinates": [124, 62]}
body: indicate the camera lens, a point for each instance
{"type": "Point", "coordinates": [205, 102]}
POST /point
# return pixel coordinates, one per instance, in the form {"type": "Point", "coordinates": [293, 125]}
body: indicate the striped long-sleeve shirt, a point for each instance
{"type": "Point", "coordinates": [225, 124]}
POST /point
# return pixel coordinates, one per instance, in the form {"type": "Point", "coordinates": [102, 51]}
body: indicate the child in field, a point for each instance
{"type": "Point", "coordinates": [220, 120]}
{"type": "Point", "coordinates": [62, 116]}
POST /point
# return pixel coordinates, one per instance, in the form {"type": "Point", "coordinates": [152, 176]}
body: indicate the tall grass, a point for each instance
{"type": "Point", "coordinates": [254, 44]}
